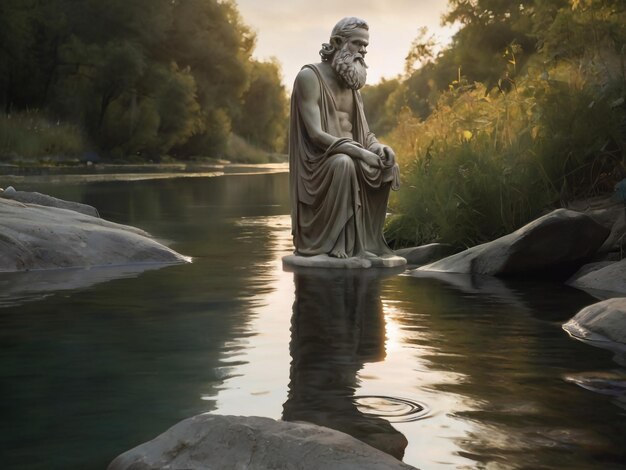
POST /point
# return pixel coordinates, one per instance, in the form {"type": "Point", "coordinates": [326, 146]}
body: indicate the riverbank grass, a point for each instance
{"type": "Point", "coordinates": [484, 163]}
{"type": "Point", "coordinates": [239, 150]}
{"type": "Point", "coordinates": [31, 135]}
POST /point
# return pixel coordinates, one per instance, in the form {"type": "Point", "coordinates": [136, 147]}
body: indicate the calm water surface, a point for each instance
{"type": "Point", "coordinates": [451, 373]}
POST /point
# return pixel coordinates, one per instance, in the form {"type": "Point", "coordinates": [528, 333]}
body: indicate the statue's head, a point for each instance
{"type": "Point", "coordinates": [346, 51]}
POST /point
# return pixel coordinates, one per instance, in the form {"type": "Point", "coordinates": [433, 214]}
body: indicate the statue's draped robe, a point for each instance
{"type": "Point", "coordinates": [336, 202]}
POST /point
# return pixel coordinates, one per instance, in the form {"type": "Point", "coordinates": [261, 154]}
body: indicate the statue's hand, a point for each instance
{"type": "Point", "coordinates": [386, 154]}
{"type": "Point", "coordinates": [371, 159]}
{"type": "Point", "coordinates": [388, 157]}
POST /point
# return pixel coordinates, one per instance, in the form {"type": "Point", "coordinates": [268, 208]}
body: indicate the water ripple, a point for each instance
{"type": "Point", "coordinates": [393, 409]}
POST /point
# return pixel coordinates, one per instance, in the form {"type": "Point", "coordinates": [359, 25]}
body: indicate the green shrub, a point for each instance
{"type": "Point", "coordinates": [241, 151]}
{"type": "Point", "coordinates": [483, 164]}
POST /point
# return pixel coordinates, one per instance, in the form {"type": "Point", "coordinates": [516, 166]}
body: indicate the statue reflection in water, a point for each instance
{"type": "Point", "coordinates": [336, 327]}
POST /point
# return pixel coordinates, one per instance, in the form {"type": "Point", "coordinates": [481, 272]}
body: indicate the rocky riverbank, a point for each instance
{"type": "Point", "coordinates": [582, 245]}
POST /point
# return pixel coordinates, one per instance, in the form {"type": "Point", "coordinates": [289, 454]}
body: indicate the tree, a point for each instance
{"type": "Point", "coordinates": [145, 77]}
{"type": "Point", "coordinates": [523, 111]}
{"type": "Point", "coordinates": [16, 40]}
{"type": "Point", "coordinates": [210, 39]}
{"type": "Point", "coordinates": [262, 118]}
{"type": "Point", "coordinates": [381, 116]}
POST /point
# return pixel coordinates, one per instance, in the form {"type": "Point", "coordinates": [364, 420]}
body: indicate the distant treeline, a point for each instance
{"type": "Point", "coordinates": [138, 77]}
{"type": "Point", "coordinates": [523, 111]}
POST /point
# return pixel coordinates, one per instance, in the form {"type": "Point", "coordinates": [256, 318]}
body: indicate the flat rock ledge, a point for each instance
{"type": "Point", "coordinates": [325, 261]}
{"type": "Point", "coordinates": [560, 239]}
{"type": "Point", "coordinates": [600, 323]}
{"type": "Point", "coordinates": [27, 197]}
{"type": "Point", "coordinates": [425, 254]}
{"type": "Point", "coordinates": [35, 237]}
{"type": "Point", "coordinates": [216, 442]}
{"type": "Point", "coordinates": [602, 279]}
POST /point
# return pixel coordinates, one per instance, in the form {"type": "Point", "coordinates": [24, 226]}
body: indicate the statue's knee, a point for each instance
{"type": "Point", "coordinates": [344, 162]}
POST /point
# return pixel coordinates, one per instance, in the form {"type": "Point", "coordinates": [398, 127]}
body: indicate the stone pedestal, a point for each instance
{"type": "Point", "coordinates": [325, 261]}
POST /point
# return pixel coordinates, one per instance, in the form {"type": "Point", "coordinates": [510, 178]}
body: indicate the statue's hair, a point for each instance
{"type": "Point", "coordinates": [342, 30]}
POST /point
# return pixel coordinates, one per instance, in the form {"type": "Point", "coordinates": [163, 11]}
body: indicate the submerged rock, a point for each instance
{"type": "Point", "coordinates": [600, 322]}
{"type": "Point", "coordinates": [38, 237]}
{"type": "Point", "coordinates": [560, 239]}
{"type": "Point", "coordinates": [210, 441]}
{"type": "Point", "coordinates": [611, 382]}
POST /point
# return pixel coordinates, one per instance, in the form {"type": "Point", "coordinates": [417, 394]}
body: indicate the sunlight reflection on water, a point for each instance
{"type": "Point", "coordinates": [327, 368]}
{"type": "Point", "coordinates": [449, 416]}
{"type": "Point", "coordinates": [234, 333]}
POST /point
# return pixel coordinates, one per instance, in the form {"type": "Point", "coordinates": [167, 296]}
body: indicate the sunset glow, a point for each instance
{"type": "Point", "coordinates": [292, 31]}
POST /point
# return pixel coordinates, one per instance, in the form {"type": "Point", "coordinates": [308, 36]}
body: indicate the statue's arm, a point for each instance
{"type": "Point", "coordinates": [308, 90]}
{"type": "Point", "coordinates": [386, 153]}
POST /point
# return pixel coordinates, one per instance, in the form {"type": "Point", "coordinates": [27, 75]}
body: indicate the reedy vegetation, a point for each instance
{"type": "Point", "coordinates": [31, 135]}
{"type": "Point", "coordinates": [522, 112]}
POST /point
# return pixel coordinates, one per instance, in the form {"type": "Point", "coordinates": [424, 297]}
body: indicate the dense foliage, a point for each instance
{"type": "Point", "coordinates": [141, 77]}
{"type": "Point", "coordinates": [523, 111]}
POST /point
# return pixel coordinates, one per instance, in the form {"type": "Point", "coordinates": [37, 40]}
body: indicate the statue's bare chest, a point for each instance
{"type": "Point", "coordinates": [344, 101]}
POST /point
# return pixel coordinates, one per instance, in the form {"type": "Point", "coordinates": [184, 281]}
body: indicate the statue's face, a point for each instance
{"type": "Point", "coordinates": [358, 41]}
{"type": "Point", "coordinates": [349, 61]}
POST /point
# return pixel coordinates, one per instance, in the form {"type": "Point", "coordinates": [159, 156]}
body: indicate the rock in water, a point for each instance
{"type": "Point", "coordinates": [609, 277]}
{"type": "Point", "coordinates": [37, 237]}
{"type": "Point", "coordinates": [562, 238]}
{"type": "Point", "coordinates": [424, 254]}
{"type": "Point", "coordinates": [221, 442]}
{"type": "Point", "coordinates": [49, 201]}
{"type": "Point", "coordinates": [603, 321]}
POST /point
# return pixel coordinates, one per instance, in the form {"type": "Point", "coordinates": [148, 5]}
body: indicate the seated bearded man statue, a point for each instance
{"type": "Point", "coordinates": [340, 175]}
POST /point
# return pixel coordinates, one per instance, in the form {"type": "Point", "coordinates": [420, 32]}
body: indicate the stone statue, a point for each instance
{"type": "Point", "coordinates": [340, 175]}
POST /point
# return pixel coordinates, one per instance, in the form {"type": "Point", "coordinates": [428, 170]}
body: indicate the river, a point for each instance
{"type": "Point", "coordinates": [472, 373]}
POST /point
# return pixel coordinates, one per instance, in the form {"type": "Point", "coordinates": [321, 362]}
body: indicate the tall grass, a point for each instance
{"type": "Point", "coordinates": [30, 135]}
{"type": "Point", "coordinates": [486, 162]}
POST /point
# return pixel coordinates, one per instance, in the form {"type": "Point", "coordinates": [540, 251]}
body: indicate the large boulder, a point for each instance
{"type": "Point", "coordinates": [560, 239]}
{"type": "Point", "coordinates": [601, 322]}
{"type": "Point", "coordinates": [37, 237]}
{"type": "Point", "coordinates": [27, 197]}
{"type": "Point", "coordinates": [217, 442]}
{"type": "Point", "coordinates": [608, 212]}
{"type": "Point", "coordinates": [609, 277]}
{"type": "Point", "coordinates": [424, 254]}
{"type": "Point", "coordinates": [614, 218]}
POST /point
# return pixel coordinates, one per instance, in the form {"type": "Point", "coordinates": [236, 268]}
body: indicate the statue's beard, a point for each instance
{"type": "Point", "coordinates": [351, 68]}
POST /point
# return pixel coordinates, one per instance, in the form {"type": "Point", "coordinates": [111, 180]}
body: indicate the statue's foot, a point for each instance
{"type": "Point", "coordinates": [341, 254]}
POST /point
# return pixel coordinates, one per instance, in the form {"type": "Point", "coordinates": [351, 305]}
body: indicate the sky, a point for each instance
{"type": "Point", "coordinates": [294, 30]}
